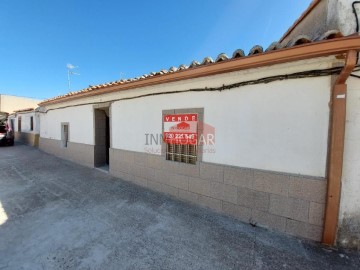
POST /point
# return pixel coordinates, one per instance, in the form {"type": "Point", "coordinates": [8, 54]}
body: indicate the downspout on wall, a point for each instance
{"type": "Point", "coordinates": [336, 149]}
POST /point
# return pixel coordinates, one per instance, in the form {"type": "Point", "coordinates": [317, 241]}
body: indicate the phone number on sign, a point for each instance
{"type": "Point", "coordinates": [180, 136]}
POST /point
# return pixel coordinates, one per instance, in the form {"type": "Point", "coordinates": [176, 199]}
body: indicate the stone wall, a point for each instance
{"type": "Point", "coordinates": [31, 139]}
{"type": "Point", "coordinates": [288, 203]}
{"type": "Point", "coordinates": [77, 152]}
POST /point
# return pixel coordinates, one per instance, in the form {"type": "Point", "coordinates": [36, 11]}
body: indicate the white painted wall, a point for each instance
{"type": "Point", "coordinates": [281, 126]}
{"type": "Point", "coordinates": [25, 122]}
{"type": "Point", "coordinates": [341, 16]}
{"type": "Point", "coordinates": [81, 124]}
{"type": "Point", "coordinates": [350, 198]}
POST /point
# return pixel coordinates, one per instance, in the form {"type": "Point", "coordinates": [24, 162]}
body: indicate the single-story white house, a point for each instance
{"type": "Point", "coordinates": [26, 125]}
{"type": "Point", "coordinates": [276, 132]}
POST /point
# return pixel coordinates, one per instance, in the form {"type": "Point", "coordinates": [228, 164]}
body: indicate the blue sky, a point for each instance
{"type": "Point", "coordinates": [115, 39]}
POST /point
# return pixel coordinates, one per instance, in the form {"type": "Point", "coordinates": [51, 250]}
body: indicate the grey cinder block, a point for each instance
{"type": "Point", "coordinates": [271, 182]}
{"type": "Point", "coordinates": [265, 219]}
{"type": "Point", "coordinates": [289, 207]}
{"type": "Point", "coordinates": [316, 213]}
{"type": "Point", "coordinates": [199, 186]}
{"type": "Point", "coordinates": [240, 212]}
{"type": "Point", "coordinates": [212, 172]}
{"type": "Point", "coordinates": [223, 192]}
{"type": "Point", "coordinates": [238, 177]}
{"type": "Point", "coordinates": [302, 229]}
{"type": "Point", "coordinates": [307, 189]}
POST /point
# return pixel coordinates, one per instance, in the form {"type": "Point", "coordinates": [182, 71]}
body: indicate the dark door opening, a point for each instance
{"type": "Point", "coordinates": [107, 139]}
{"type": "Point", "coordinates": [102, 138]}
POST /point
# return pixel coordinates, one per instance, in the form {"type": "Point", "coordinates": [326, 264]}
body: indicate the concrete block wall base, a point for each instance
{"type": "Point", "coordinates": [284, 202]}
{"type": "Point", "coordinates": [27, 138]}
{"type": "Point", "coordinates": [77, 152]}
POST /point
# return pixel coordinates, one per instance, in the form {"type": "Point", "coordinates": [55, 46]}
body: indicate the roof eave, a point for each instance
{"type": "Point", "coordinates": [296, 53]}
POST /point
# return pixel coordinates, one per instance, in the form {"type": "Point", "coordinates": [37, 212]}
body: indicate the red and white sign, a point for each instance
{"type": "Point", "coordinates": [180, 128]}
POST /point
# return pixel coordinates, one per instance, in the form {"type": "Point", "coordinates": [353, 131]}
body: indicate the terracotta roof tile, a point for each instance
{"type": "Point", "coordinates": [207, 60]}
{"type": "Point", "coordinates": [194, 64]}
{"type": "Point", "coordinates": [299, 40]}
{"type": "Point", "coordinates": [238, 53]}
{"type": "Point", "coordinates": [256, 49]}
{"type": "Point", "coordinates": [329, 35]}
{"type": "Point", "coordinates": [182, 67]}
{"type": "Point", "coordinates": [173, 69]}
{"type": "Point", "coordinates": [222, 57]}
{"type": "Point", "coordinates": [312, 5]}
{"type": "Point", "coordinates": [273, 47]}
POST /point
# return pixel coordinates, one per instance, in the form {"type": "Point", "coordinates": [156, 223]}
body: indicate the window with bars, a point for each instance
{"type": "Point", "coordinates": [180, 135]}
{"type": "Point", "coordinates": [185, 153]}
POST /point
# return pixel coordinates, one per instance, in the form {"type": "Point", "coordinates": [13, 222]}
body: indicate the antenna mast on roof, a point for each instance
{"type": "Point", "coordinates": [70, 68]}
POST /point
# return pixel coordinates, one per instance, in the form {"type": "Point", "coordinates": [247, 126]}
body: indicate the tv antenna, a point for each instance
{"type": "Point", "coordinates": [70, 69]}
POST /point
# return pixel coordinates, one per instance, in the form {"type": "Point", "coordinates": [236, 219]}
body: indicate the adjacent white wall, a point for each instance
{"type": "Point", "coordinates": [81, 124]}
{"type": "Point", "coordinates": [25, 122]}
{"type": "Point", "coordinates": [341, 16]}
{"type": "Point", "coordinates": [350, 198]}
{"type": "Point", "coordinates": [281, 126]}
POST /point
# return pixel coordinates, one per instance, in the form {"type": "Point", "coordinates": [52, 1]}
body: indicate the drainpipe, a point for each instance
{"type": "Point", "coordinates": [336, 149]}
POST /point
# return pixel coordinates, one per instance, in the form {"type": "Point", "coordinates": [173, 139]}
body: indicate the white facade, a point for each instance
{"type": "Point", "coordinates": [262, 126]}
{"type": "Point", "coordinates": [26, 122]}
{"type": "Point", "coordinates": [80, 120]}
{"type": "Point", "coordinates": [281, 126]}
{"type": "Point", "coordinates": [350, 199]}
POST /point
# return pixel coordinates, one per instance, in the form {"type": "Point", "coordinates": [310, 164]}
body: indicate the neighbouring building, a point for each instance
{"type": "Point", "coordinates": [258, 136]}
{"type": "Point", "coordinates": [26, 126]}
{"type": "Point", "coordinates": [9, 103]}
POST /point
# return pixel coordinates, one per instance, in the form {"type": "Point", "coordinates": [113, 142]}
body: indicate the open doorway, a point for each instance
{"type": "Point", "coordinates": [102, 138]}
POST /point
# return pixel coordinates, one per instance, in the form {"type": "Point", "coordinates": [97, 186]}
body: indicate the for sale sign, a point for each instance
{"type": "Point", "coordinates": [180, 128]}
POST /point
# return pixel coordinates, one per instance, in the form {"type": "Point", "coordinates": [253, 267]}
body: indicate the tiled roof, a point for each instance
{"type": "Point", "coordinates": [312, 5]}
{"type": "Point", "coordinates": [24, 110]}
{"type": "Point", "coordinates": [256, 50]}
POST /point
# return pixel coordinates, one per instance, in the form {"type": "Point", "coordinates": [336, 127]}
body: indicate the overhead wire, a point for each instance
{"type": "Point", "coordinates": [265, 80]}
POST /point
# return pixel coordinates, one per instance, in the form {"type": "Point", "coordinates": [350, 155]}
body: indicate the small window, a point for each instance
{"type": "Point", "coordinates": [19, 124]}
{"type": "Point", "coordinates": [31, 123]}
{"type": "Point", "coordinates": [65, 134]}
{"type": "Point", "coordinates": [186, 153]}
